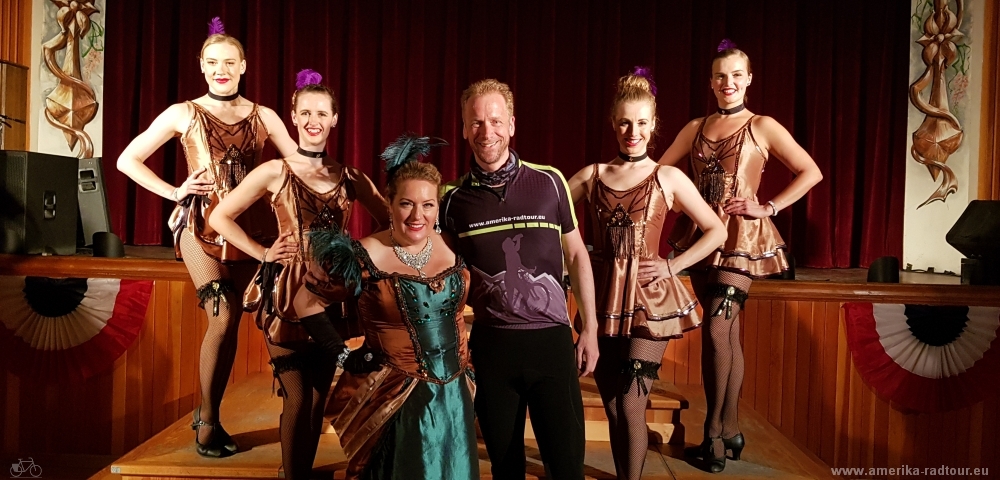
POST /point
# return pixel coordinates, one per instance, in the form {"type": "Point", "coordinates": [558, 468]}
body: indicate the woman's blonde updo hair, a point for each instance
{"type": "Point", "coordinates": [637, 86]}
{"type": "Point", "coordinates": [217, 34]}
{"type": "Point", "coordinates": [222, 38]}
{"type": "Point", "coordinates": [411, 171]}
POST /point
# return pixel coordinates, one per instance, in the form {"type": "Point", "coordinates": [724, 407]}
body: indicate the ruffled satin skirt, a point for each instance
{"type": "Point", "coordinates": [661, 310]}
{"type": "Point", "coordinates": [754, 247]}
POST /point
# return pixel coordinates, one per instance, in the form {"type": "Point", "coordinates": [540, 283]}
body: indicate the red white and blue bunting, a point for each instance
{"type": "Point", "coordinates": [925, 358]}
{"type": "Point", "coordinates": [68, 329]}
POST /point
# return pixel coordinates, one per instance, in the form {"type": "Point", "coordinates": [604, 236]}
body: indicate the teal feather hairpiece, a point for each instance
{"type": "Point", "coordinates": [408, 148]}
{"type": "Point", "coordinates": [334, 250]}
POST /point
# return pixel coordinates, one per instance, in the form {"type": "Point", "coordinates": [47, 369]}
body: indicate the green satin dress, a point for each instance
{"type": "Point", "coordinates": [413, 418]}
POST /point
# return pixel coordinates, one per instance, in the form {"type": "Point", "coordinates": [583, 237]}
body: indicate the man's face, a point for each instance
{"type": "Point", "coordinates": [488, 126]}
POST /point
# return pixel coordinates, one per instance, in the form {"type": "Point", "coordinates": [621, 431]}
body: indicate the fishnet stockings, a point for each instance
{"type": "Point", "coordinates": [626, 409]}
{"type": "Point", "coordinates": [218, 347]}
{"type": "Point", "coordinates": [721, 355]}
{"type": "Point", "coordinates": [302, 407]}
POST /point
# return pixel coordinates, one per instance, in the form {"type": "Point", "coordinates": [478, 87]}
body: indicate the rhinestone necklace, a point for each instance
{"type": "Point", "coordinates": [415, 261]}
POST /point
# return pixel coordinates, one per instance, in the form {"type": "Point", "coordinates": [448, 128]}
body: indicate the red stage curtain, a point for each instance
{"type": "Point", "coordinates": [834, 75]}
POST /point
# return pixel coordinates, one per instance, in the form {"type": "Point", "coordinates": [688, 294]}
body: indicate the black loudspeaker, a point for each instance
{"type": "Point", "coordinates": [39, 203]}
{"type": "Point", "coordinates": [976, 235]}
{"type": "Point", "coordinates": [94, 216]}
{"type": "Point", "coordinates": [884, 270]}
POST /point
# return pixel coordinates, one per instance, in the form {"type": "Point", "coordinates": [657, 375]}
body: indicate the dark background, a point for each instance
{"type": "Point", "coordinates": [834, 73]}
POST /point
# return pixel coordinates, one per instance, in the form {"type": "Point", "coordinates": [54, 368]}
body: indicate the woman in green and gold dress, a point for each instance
{"type": "Point", "coordinates": [405, 398]}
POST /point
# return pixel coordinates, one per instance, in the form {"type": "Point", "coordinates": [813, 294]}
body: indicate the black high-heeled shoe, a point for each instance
{"type": "Point", "coordinates": [736, 444]}
{"type": "Point", "coordinates": [221, 445]}
{"type": "Point", "coordinates": [698, 451]}
{"type": "Point", "coordinates": [716, 464]}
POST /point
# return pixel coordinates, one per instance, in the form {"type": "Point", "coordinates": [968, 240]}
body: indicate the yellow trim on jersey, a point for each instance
{"type": "Point", "coordinates": [569, 196]}
{"type": "Point", "coordinates": [510, 226]}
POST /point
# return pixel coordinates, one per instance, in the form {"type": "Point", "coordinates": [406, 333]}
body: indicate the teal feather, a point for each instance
{"type": "Point", "coordinates": [333, 249]}
{"type": "Point", "coordinates": [408, 148]}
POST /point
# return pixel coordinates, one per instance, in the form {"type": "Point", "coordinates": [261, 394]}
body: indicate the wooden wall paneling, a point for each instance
{"type": "Point", "coordinates": [118, 408]}
{"type": "Point", "coordinates": [763, 360]}
{"type": "Point", "coordinates": [853, 419]}
{"type": "Point", "coordinates": [791, 364]}
{"type": "Point", "coordinates": [895, 438]}
{"type": "Point", "coordinates": [671, 364]}
{"type": "Point", "coordinates": [191, 332]}
{"type": "Point", "coordinates": [159, 370]}
{"type": "Point", "coordinates": [173, 409]}
{"type": "Point", "coordinates": [869, 428]}
{"type": "Point", "coordinates": [694, 339]}
{"type": "Point", "coordinates": [814, 427]}
{"type": "Point", "coordinates": [748, 332]}
{"type": "Point", "coordinates": [133, 388]}
{"type": "Point", "coordinates": [682, 353]}
{"type": "Point", "coordinates": [802, 371]}
{"type": "Point", "coordinates": [776, 310]}
{"type": "Point", "coordinates": [828, 392]}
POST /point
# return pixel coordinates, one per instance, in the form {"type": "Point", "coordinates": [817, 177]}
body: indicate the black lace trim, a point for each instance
{"type": "Point", "coordinates": [638, 370]}
{"type": "Point", "coordinates": [728, 294]}
{"type": "Point", "coordinates": [215, 290]}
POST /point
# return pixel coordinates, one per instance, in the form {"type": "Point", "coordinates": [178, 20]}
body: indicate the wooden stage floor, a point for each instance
{"type": "Point", "coordinates": [252, 413]}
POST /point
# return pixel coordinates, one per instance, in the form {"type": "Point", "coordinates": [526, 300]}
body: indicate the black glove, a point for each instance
{"type": "Point", "coordinates": [363, 360]}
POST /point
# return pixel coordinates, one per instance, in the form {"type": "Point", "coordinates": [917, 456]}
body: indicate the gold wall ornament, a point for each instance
{"type": "Point", "coordinates": [72, 104]}
{"type": "Point", "coordinates": [940, 134]}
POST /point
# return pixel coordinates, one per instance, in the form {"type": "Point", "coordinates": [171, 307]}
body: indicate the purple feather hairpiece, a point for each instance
{"type": "Point", "coordinates": [647, 73]}
{"type": "Point", "coordinates": [216, 27]}
{"type": "Point", "coordinates": [725, 44]}
{"type": "Point", "coordinates": [307, 77]}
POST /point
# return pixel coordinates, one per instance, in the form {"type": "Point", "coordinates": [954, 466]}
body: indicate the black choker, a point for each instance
{"type": "Point", "coordinates": [223, 98]}
{"type": "Point", "coordinates": [729, 111]}
{"type": "Point", "coordinates": [627, 158]}
{"type": "Point", "coordinates": [307, 153]}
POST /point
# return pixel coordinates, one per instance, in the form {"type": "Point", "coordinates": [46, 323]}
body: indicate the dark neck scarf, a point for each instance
{"type": "Point", "coordinates": [624, 156]}
{"type": "Point", "coordinates": [729, 111]}
{"type": "Point", "coordinates": [499, 177]}
{"type": "Point", "coordinates": [223, 98]}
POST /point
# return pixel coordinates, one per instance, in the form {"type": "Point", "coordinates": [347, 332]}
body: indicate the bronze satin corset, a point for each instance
{"type": "Point", "coordinates": [299, 209]}
{"type": "Point", "coordinates": [722, 169]}
{"type": "Point", "coordinates": [625, 228]}
{"type": "Point", "coordinates": [228, 152]}
{"type": "Point", "coordinates": [726, 168]}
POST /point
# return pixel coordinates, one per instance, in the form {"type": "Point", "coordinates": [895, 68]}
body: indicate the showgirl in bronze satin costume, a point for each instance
{"type": "Point", "coordinates": [640, 303]}
{"type": "Point", "coordinates": [310, 195]}
{"type": "Point", "coordinates": [405, 398]}
{"type": "Point", "coordinates": [222, 134]}
{"type": "Point", "coordinates": [728, 151]}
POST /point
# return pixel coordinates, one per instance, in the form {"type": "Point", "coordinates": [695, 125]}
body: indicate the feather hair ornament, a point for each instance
{"type": "Point", "coordinates": [726, 44]}
{"type": "Point", "coordinates": [647, 73]}
{"type": "Point", "coordinates": [216, 27]}
{"type": "Point", "coordinates": [408, 148]}
{"type": "Point", "coordinates": [307, 77]}
{"type": "Point", "coordinates": [334, 250]}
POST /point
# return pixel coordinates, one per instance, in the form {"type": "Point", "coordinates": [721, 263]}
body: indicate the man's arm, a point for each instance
{"type": "Point", "coordinates": [582, 280]}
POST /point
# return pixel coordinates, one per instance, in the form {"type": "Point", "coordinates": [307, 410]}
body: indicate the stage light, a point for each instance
{"type": "Point", "coordinates": [976, 235]}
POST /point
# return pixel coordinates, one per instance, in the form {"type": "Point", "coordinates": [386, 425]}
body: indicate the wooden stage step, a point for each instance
{"type": "Point", "coordinates": [251, 416]}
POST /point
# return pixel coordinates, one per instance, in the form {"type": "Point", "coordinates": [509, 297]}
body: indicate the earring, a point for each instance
{"type": "Point", "coordinates": [437, 226]}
